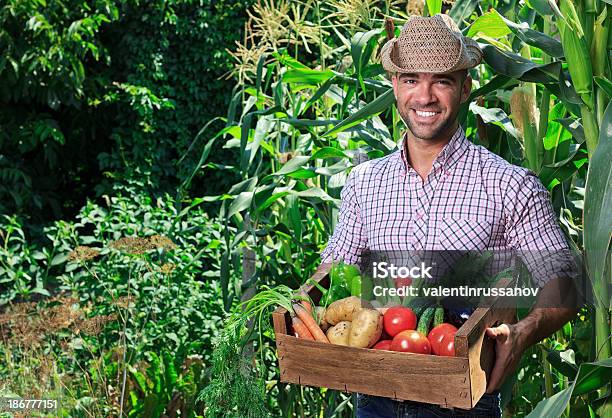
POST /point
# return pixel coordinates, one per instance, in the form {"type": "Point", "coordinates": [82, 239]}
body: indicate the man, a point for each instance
{"type": "Point", "coordinates": [439, 191]}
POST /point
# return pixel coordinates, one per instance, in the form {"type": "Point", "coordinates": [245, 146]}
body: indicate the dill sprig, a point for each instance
{"type": "Point", "coordinates": [235, 389]}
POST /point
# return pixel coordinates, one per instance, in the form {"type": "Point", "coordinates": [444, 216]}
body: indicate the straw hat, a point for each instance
{"type": "Point", "coordinates": [430, 45]}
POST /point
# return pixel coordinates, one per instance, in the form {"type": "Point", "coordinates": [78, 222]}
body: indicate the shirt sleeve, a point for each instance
{"type": "Point", "coordinates": [349, 238]}
{"type": "Point", "coordinates": [534, 233]}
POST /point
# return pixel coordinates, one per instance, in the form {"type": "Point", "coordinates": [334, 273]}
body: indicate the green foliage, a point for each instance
{"type": "Point", "coordinates": [234, 389]}
{"type": "Point", "coordinates": [92, 95]}
{"type": "Point", "coordinates": [149, 264]}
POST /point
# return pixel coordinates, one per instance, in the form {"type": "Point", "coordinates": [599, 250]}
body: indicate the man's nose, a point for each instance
{"type": "Point", "coordinates": [423, 94]}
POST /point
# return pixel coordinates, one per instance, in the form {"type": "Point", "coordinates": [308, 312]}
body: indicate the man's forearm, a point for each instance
{"type": "Point", "coordinates": [556, 305]}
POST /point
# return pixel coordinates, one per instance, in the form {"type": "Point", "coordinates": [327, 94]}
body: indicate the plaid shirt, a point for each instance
{"type": "Point", "coordinates": [471, 200]}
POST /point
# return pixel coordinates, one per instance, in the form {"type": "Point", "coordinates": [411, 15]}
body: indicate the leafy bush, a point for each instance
{"type": "Point", "coordinates": [122, 280]}
{"type": "Point", "coordinates": [96, 94]}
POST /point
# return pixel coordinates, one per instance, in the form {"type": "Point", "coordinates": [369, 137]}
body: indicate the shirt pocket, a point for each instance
{"type": "Point", "coordinates": [464, 234]}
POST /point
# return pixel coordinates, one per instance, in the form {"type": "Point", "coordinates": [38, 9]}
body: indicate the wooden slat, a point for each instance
{"type": "Point", "coordinates": [424, 378]}
{"type": "Point", "coordinates": [471, 342]}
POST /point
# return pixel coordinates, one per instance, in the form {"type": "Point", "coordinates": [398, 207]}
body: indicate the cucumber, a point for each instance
{"type": "Point", "coordinates": [438, 316]}
{"type": "Point", "coordinates": [425, 320]}
{"type": "Point", "coordinates": [418, 306]}
{"type": "Point", "coordinates": [421, 308]}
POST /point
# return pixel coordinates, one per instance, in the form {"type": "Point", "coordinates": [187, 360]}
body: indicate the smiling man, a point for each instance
{"type": "Point", "coordinates": [441, 192]}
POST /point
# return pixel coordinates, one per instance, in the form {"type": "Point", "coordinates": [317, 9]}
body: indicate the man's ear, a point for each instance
{"type": "Point", "coordinates": [466, 88]}
{"type": "Point", "coordinates": [395, 81]}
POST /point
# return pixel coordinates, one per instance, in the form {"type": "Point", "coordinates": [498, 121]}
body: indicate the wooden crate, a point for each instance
{"type": "Point", "coordinates": [457, 382]}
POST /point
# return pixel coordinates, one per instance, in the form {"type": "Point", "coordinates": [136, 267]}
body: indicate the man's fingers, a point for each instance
{"type": "Point", "coordinates": [500, 333]}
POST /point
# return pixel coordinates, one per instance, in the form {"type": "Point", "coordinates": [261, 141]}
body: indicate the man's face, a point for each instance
{"type": "Point", "coordinates": [429, 103]}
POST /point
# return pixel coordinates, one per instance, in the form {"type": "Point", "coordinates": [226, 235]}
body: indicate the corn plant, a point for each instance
{"type": "Point", "coordinates": [538, 101]}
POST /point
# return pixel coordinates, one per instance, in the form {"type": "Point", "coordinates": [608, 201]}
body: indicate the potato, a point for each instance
{"type": "Point", "coordinates": [321, 317]}
{"type": "Point", "coordinates": [344, 309]}
{"type": "Point", "coordinates": [339, 333]}
{"type": "Point", "coordinates": [366, 328]}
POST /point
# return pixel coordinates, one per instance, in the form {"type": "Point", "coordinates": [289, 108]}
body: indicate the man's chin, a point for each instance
{"type": "Point", "coordinates": [425, 134]}
{"type": "Point", "coordinates": [428, 132]}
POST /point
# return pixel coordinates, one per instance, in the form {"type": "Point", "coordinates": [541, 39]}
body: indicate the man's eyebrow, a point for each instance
{"type": "Point", "coordinates": [408, 75]}
{"type": "Point", "coordinates": [444, 77]}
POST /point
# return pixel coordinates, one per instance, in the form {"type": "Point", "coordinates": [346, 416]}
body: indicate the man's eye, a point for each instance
{"type": "Point", "coordinates": [443, 82]}
{"type": "Point", "coordinates": [409, 81]}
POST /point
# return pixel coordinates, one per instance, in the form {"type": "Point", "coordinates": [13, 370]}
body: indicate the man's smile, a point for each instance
{"type": "Point", "coordinates": [425, 115]}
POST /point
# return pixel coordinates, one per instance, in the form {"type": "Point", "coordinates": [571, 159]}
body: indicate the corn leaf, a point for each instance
{"type": "Point", "coordinates": [515, 66]}
{"type": "Point", "coordinates": [598, 207]}
{"type": "Point", "coordinates": [534, 38]}
{"type": "Point", "coordinates": [461, 11]}
{"type": "Point", "coordinates": [381, 103]}
{"type": "Point", "coordinates": [489, 24]}
{"type": "Point", "coordinates": [604, 84]}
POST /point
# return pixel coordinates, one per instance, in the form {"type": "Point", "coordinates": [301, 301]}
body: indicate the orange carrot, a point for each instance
{"type": "Point", "coordinates": [306, 302]}
{"type": "Point", "coordinates": [310, 323]}
{"type": "Point", "coordinates": [300, 330]}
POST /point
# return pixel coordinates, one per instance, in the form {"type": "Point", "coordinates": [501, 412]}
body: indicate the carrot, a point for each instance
{"type": "Point", "coordinates": [306, 302]}
{"type": "Point", "coordinates": [310, 323]}
{"type": "Point", "coordinates": [299, 329]}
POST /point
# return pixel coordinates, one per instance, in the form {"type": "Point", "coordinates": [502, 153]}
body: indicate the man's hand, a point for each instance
{"type": "Point", "coordinates": [508, 352]}
{"type": "Point", "coordinates": [555, 306]}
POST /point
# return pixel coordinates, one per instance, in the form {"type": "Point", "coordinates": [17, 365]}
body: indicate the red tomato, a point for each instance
{"type": "Point", "coordinates": [442, 340]}
{"type": "Point", "coordinates": [398, 319]}
{"type": "Point", "coordinates": [403, 281]}
{"type": "Point", "coordinates": [383, 345]}
{"type": "Point", "coordinates": [411, 342]}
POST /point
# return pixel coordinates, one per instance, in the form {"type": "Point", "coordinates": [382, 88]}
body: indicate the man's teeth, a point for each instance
{"type": "Point", "coordinates": [425, 114]}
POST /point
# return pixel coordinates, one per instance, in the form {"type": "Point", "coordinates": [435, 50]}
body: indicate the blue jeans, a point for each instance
{"type": "Point", "coordinates": [377, 407]}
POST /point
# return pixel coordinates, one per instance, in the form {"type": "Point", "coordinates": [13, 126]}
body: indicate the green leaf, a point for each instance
{"type": "Point", "coordinates": [332, 169]}
{"type": "Point", "coordinates": [598, 207]}
{"type": "Point", "coordinates": [381, 103]}
{"type": "Point", "coordinates": [59, 259]}
{"type": "Point", "coordinates": [496, 83]}
{"type": "Point", "coordinates": [328, 152]}
{"type": "Point", "coordinates": [604, 84]}
{"type": "Point", "coordinates": [306, 75]}
{"type": "Point", "coordinates": [495, 116]}
{"type": "Point", "coordinates": [489, 24]}
{"type": "Point", "coordinates": [240, 203]}
{"type": "Point", "coordinates": [563, 361]}
{"type": "Point", "coordinates": [316, 193]}
{"type": "Point", "coordinates": [170, 372]}
{"type": "Point", "coordinates": [554, 406]}
{"type": "Point", "coordinates": [592, 376]}
{"type": "Point", "coordinates": [574, 127]}
{"type": "Point", "coordinates": [269, 201]}
{"type": "Point", "coordinates": [362, 46]}
{"type": "Point", "coordinates": [288, 60]}
{"type": "Point", "coordinates": [515, 66]}
{"type": "Point", "coordinates": [540, 6]}
{"type": "Point", "coordinates": [302, 173]}
{"type": "Point", "coordinates": [318, 94]}
{"type": "Point", "coordinates": [293, 164]}
{"type": "Point", "coordinates": [260, 64]}
{"type": "Point", "coordinates": [461, 11]}
{"type": "Point", "coordinates": [434, 7]}
{"type": "Point", "coordinates": [245, 185]}
{"type": "Point", "coordinates": [534, 38]}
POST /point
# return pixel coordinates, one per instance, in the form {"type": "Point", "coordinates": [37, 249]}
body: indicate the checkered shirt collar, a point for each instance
{"type": "Point", "coordinates": [450, 154]}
